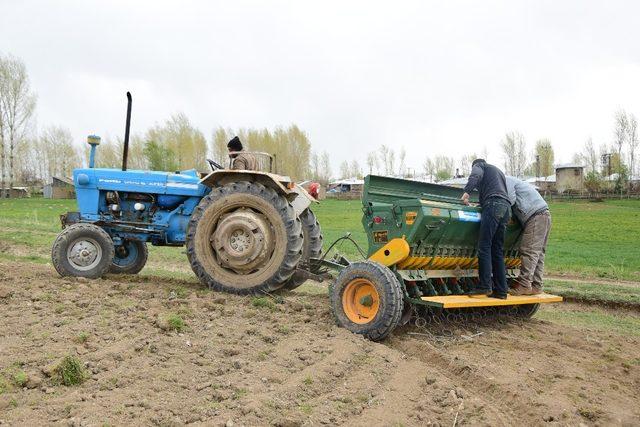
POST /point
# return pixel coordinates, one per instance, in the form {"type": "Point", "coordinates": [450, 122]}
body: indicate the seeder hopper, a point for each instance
{"type": "Point", "coordinates": [422, 257]}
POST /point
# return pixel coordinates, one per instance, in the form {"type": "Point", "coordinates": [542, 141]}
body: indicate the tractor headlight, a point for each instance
{"type": "Point", "coordinates": [139, 207]}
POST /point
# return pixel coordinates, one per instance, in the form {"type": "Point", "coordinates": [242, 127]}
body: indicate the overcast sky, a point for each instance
{"type": "Point", "coordinates": [445, 77]}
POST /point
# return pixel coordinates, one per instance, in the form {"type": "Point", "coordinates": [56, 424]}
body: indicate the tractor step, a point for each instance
{"type": "Point", "coordinates": [460, 301]}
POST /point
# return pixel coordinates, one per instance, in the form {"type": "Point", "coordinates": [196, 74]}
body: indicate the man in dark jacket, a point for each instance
{"type": "Point", "coordinates": [494, 199]}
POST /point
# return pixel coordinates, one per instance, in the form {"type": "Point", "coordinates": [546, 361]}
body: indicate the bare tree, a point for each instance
{"type": "Point", "coordinates": [443, 166]}
{"type": "Point", "coordinates": [315, 166]}
{"type": "Point", "coordinates": [219, 142]}
{"type": "Point", "coordinates": [388, 159]}
{"type": "Point", "coordinates": [372, 162]}
{"type": "Point", "coordinates": [429, 167]}
{"type": "Point", "coordinates": [325, 177]}
{"type": "Point", "coordinates": [589, 156]}
{"type": "Point", "coordinates": [544, 157]}
{"type": "Point", "coordinates": [58, 155]}
{"type": "Point", "coordinates": [356, 170]}
{"type": "Point", "coordinates": [620, 130]}
{"type": "Point", "coordinates": [485, 153]}
{"type": "Point", "coordinates": [402, 157]}
{"type": "Point", "coordinates": [3, 120]}
{"type": "Point", "coordinates": [345, 172]}
{"type": "Point", "coordinates": [515, 153]}
{"type": "Point", "coordinates": [17, 103]}
{"type": "Point", "coordinates": [384, 156]}
{"type": "Point", "coordinates": [632, 141]}
{"type": "Point", "coordinates": [465, 163]}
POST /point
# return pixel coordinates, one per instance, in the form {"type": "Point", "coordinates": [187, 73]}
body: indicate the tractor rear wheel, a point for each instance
{"type": "Point", "coordinates": [82, 250]}
{"type": "Point", "coordinates": [130, 257]}
{"type": "Point", "coordinates": [244, 238]}
{"type": "Point", "coordinates": [312, 246]}
{"type": "Point", "coordinates": [367, 299]}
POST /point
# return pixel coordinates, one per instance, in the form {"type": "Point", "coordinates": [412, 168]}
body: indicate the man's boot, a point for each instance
{"type": "Point", "coordinates": [517, 289]}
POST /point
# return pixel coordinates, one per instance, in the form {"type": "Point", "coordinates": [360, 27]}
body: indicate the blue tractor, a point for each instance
{"type": "Point", "coordinates": [245, 231]}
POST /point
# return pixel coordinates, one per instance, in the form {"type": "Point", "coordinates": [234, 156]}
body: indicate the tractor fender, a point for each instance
{"type": "Point", "coordinates": [299, 198]}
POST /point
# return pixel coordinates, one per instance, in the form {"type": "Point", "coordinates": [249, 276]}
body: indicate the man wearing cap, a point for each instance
{"type": "Point", "coordinates": [533, 213]}
{"type": "Point", "coordinates": [491, 184]}
{"type": "Point", "coordinates": [240, 160]}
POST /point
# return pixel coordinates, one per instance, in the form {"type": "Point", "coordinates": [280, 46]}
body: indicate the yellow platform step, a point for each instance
{"type": "Point", "coordinates": [459, 301]}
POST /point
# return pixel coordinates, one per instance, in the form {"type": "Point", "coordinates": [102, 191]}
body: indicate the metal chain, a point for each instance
{"type": "Point", "coordinates": [446, 327]}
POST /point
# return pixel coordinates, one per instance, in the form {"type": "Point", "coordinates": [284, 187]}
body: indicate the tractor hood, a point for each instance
{"type": "Point", "coordinates": [184, 183]}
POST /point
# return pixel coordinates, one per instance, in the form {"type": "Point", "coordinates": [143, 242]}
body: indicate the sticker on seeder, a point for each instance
{"type": "Point", "coordinates": [469, 216]}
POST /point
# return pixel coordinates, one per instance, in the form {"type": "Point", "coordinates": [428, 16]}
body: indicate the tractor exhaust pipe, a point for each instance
{"type": "Point", "coordinates": [125, 154]}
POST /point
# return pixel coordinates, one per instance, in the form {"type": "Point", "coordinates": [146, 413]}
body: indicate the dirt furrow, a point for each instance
{"type": "Point", "coordinates": [282, 361]}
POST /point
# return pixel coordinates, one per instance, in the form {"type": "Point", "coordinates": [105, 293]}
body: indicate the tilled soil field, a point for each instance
{"type": "Point", "coordinates": [157, 351]}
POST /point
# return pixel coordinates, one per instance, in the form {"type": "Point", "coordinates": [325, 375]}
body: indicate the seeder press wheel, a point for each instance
{"type": "Point", "coordinates": [367, 299]}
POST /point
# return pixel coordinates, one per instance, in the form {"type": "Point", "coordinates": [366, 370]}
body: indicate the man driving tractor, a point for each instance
{"type": "Point", "coordinates": [241, 160]}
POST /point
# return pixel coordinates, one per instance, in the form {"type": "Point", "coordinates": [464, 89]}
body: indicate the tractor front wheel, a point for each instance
{"type": "Point", "coordinates": [244, 238]}
{"type": "Point", "coordinates": [83, 250]}
{"type": "Point", "coordinates": [366, 298]}
{"type": "Point", "coordinates": [130, 257]}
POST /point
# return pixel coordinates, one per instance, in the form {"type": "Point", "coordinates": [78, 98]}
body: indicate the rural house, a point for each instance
{"type": "Point", "coordinates": [569, 178]}
{"type": "Point", "coordinates": [59, 188]}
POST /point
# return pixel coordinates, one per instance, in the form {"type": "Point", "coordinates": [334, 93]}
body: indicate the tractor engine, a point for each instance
{"type": "Point", "coordinates": [148, 206]}
{"type": "Point", "coordinates": [131, 207]}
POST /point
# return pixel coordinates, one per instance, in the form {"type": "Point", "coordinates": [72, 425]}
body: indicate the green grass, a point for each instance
{"type": "Point", "coordinates": [82, 337]}
{"type": "Point", "coordinates": [594, 291]}
{"type": "Point", "coordinates": [70, 371]}
{"type": "Point", "coordinates": [587, 239]}
{"type": "Point", "coordinates": [594, 319]}
{"type": "Point", "coordinates": [176, 323]}
{"type": "Point", "coordinates": [263, 302]}
{"type": "Point", "coordinates": [20, 378]}
{"type": "Point", "coordinates": [338, 217]}
{"type": "Point", "coordinates": [595, 239]}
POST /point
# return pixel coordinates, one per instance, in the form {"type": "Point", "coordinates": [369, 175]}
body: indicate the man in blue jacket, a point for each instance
{"type": "Point", "coordinates": [533, 213]}
{"type": "Point", "coordinates": [491, 184]}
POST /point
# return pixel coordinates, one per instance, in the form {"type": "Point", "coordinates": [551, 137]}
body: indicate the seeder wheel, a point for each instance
{"type": "Point", "coordinates": [367, 299]}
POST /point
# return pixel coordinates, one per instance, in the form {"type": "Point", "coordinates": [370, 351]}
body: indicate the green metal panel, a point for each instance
{"type": "Point", "coordinates": [431, 217]}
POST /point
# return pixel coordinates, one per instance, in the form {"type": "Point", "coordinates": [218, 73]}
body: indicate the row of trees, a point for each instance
{"type": "Point", "coordinates": [17, 104]}
{"type": "Point", "coordinates": [382, 161]}
{"type": "Point", "coordinates": [617, 157]}
{"type": "Point", "coordinates": [29, 155]}
{"type": "Point", "coordinates": [617, 161]}
{"type": "Point", "coordinates": [517, 161]}
{"type": "Point", "coordinates": [173, 145]}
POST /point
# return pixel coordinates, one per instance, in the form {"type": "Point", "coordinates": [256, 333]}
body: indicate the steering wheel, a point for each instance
{"type": "Point", "coordinates": [214, 165]}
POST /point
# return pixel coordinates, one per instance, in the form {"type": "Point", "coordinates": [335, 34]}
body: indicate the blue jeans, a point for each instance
{"type": "Point", "coordinates": [493, 222]}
